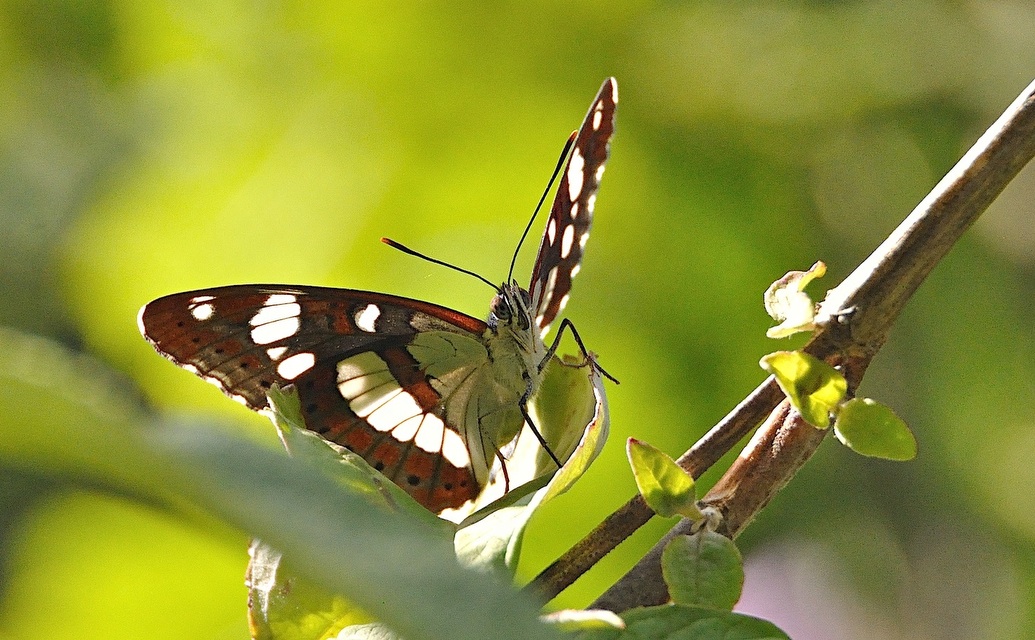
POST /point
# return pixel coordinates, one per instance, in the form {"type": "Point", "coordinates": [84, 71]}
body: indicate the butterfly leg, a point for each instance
{"type": "Point", "coordinates": [523, 406]}
{"type": "Point", "coordinates": [503, 468]}
{"type": "Point", "coordinates": [590, 360]}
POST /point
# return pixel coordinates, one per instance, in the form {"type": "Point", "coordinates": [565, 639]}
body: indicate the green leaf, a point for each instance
{"type": "Point", "coordinates": [571, 408]}
{"type": "Point", "coordinates": [680, 622]}
{"type": "Point", "coordinates": [400, 569]}
{"type": "Point", "coordinates": [704, 570]}
{"type": "Point", "coordinates": [787, 303]}
{"type": "Point", "coordinates": [489, 543]}
{"type": "Point", "coordinates": [872, 429]}
{"type": "Point", "coordinates": [561, 409]}
{"type": "Point", "coordinates": [667, 488]}
{"type": "Point", "coordinates": [69, 415]}
{"type": "Point", "coordinates": [285, 606]}
{"type": "Point", "coordinates": [813, 386]}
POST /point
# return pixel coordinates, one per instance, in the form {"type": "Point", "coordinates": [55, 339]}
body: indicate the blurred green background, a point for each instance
{"type": "Point", "coordinates": [148, 148]}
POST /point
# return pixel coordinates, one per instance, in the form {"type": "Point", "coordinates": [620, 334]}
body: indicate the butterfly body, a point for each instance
{"type": "Point", "coordinates": [426, 395]}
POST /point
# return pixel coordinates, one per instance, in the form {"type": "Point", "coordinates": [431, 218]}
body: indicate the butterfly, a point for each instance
{"type": "Point", "coordinates": [426, 395]}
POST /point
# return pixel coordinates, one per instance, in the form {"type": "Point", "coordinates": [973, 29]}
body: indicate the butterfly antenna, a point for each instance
{"type": "Point", "coordinates": [556, 170]}
{"type": "Point", "coordinates": [405, 249]}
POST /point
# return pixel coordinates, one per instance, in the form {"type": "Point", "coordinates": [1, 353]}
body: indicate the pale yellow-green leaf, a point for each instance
{"type": "Point", "coordinates": [667, 488]}
{"type": "Point", "coordinates": [787, 303]}
{"type": "Point", "coordinates": [814, 387]}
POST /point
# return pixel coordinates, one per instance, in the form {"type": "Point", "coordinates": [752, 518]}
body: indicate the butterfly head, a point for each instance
{"type": "Point", "coordinates": [511, 308]}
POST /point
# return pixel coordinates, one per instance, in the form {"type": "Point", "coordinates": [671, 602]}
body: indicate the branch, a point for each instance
{"type": "Point", "coordinates": [635, 513]}
{"type": "Point", "coordinates": [856, 317]}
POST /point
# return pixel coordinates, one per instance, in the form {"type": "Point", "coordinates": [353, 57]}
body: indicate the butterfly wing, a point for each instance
{"type": "Point", "coordinates": [351, 355]}
{"type": "Point", "coordinates": [567, 230]}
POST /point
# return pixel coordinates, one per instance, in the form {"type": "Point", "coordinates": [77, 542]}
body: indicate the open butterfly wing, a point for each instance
{"type": "Point", "coordinates": [567, 230]}
{"type": "Point", "coordinates": [346, 353]}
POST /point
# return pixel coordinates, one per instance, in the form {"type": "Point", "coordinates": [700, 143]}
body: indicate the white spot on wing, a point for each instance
{"type": "Point", "coordinates": [215, 382]}
{"type": "Point", "coordinates": [277, 307]}
{"type": "Point", "coordinates": [296, 365]}
{"type": "Point", "coordinates": [564, 302]}
{"type": "Point", "coordinates": [367, 318]}
{"type": "Point", "coordinates": [454, 449]}
{"type": "Point", "coordinates": [429, 437]}
{"type": "Point", "coordinates": [614, 92]}
{"type": "Point", "coordinates": [591, 202]}
{"type": "Point", "coordinates": [551, 282]}
{"type": "Point", "coordinates": [575, 270]}
{"type": "Point", "coordinates": [598, 116]}
{"type": "Point", "coordinates": [551, 230]}
{"type": "Point", "coordinates": [276, 330]}
{"type": "Point", "coordinates": [399, 408]}
{"type": "Point", "coordinates": [575, 168]}
{"type": "Point", "coordinates": [584, 239]}
{"type": "Point", "coordinates": [600, 172]}
{"type": "Point", "coordinates": [371, 401]}
{"type": "Point", "coordinates": [407, 429]}
{"type": "Point", "coordinates": [277, 320]}
{"type": "Point", "coordinates": [356, 385]}
{"type": "Point", "coordinates": [202, 311]}
{"type": "Point", "coordinates": [363, 373]}
{"type": "Point", "coordinates": [574, 210]}
{"type": "Point", "coordinates": [566, 240]}
{"type": "Point", "coordinates": [140, 320]}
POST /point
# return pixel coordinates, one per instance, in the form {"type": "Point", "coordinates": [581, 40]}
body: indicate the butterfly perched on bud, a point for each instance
{"type": "Point", "coordinates": [426, 395]}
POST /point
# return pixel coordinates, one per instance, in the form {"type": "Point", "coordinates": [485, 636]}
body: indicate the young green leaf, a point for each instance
{"type": "Point", "coordinates": [668, 490]}
{"type": "Point", "coordinates": [703, 570]}
{"type": "Point", "coordinates": [872, 429]}
{"type": "Point", "coordinates": [787, 303]}
{"type": "Point", "coordinates": [814, 387]}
